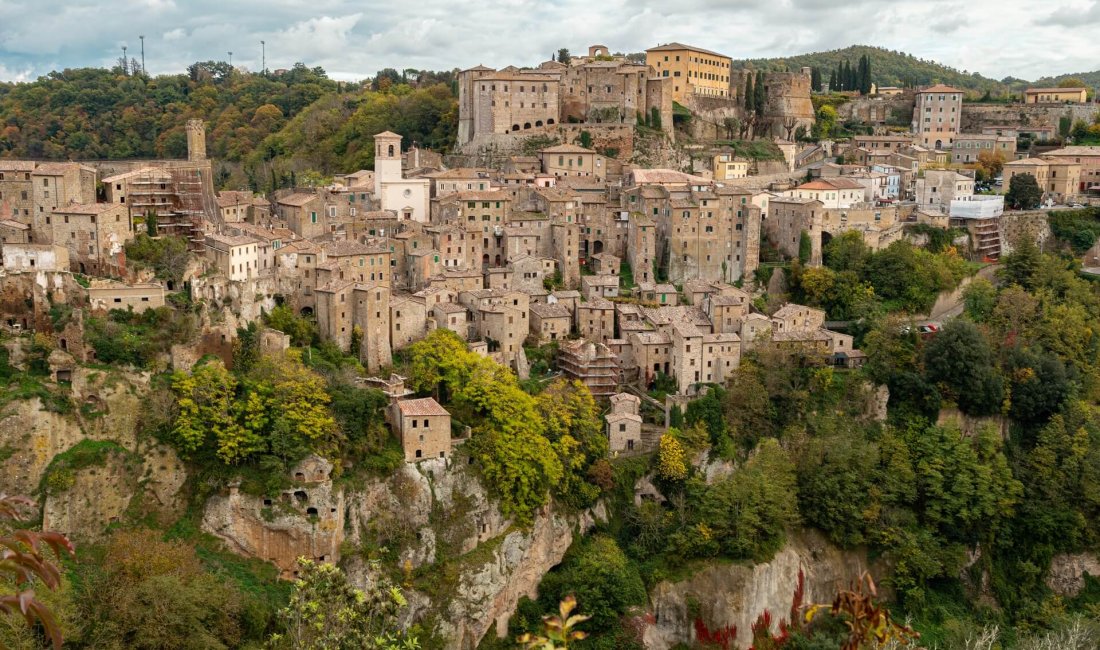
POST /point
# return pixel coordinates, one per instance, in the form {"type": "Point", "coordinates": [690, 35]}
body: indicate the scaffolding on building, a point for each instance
{"type": "Point", "coordinates": [593, 364]}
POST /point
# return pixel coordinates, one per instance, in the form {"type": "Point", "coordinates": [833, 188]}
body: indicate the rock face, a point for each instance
{"type": "Point", "coordinates": [306, 520]}
{"type": "Point", "coordinates": [488, 591]}
{"type": "Point", "coordinates": [1067, 572]}
{"type": "Point", "coordinates": [722, 595]}
{"type": "Point", "coordinates": [136, 476]}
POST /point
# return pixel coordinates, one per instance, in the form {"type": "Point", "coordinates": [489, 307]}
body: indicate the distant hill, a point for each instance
{"type": "Point", "coordinates": [888, 68]}
{"type": "Point", "coordinates": [1091, 79]}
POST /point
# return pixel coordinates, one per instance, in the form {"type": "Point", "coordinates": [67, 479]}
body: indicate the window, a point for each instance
{"type": "Point", "coordinates": [313, 217]}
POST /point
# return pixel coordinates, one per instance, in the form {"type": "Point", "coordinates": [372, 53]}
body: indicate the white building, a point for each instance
{"type": "Point", "coordinates": [978, 207]}
{"type": "Point", "coordinates": [408, 197]}
{"type": "Point", "coordinates": [237, 256]}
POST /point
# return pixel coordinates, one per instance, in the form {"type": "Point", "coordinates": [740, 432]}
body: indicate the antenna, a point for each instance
{"type": "Point", "coordinates": [263, 56]}
{"type": "Point", "coordinates": [125, 63]}
{"type": "Point", "coordinates": [142, 37]}
{"type": "Point", "coordinates": [230, 61]}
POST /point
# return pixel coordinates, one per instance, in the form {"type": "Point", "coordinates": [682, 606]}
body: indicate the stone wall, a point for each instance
{"type": "Point", "coordinates": [1032, 224]}
{"type": "Point", "coordinates": [495, 148]}
{"type": "Point", "coordinates": [977, 116]}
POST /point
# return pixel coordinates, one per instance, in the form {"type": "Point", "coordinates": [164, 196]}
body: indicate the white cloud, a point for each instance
{"type": "Point", "coordinates": [354, 39]}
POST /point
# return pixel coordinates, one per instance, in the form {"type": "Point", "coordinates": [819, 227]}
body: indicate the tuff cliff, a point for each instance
{"type": "Point", "coordinates": [463, 565]}
{"type": "Point", "coordinates": [721, 595]}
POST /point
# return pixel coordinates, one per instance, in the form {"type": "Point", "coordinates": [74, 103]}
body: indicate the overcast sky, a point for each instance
{"type": "Point", "coordinates": [353, 40]}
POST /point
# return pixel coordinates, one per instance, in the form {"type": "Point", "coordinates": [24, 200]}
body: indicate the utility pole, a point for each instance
{"type": "Point", "coordinates": [125, 62]}
{"type": "Point", "coordinates": [263, 57]}
{"type": "Point", "coordinates": [142, 37]}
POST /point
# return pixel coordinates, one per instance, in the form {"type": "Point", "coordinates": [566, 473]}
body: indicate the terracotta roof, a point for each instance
{"type": "Point", "coordinates": [55, 169]}
{"type": "Point", "coordinates": [17, 165]}
{"type": "Point", "coordinates": [939, 88]}
{"type": "Point", "coordinates": [566, 148]}
{"type": "Point", "coordinates": [642, 176]}
{"type": "Point", "coordinates": [837, 183]}
{"type": "Point", "coordinates": [673, 47]}
{"type": "Point", "coordinates": [543, 310]}
{"type": "Point", "coordinates": [132, 173]}
{"type": "Point", "coordinates": [298, 199]}
{"type": "Point", "coordinates": [1056, 90]}
{"type": "Point", "coordinates": [386, 134]}
{"type": "Point", "coordinates": [230, 240]}
{"type": "Point", "coordinates": [87, 208]}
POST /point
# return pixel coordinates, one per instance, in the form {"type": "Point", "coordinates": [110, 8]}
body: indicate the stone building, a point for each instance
{"type": "Point", "coordinates": [58, 185]}
{"type": "Point", "coordinates": [16, 195]}
{"type": "Point", "coordinates": [937, 116]}
{"type": "Point", "coordinates": [938, 187]}
{"type": "Point", "coordinates": [94, 233]}
{"type": "Point", "coordinates": [424, 428]}
{"type": "Point", "coordinates": [106, 295]}
{"type": "Point", "coordinates": [624, 425]}
{"type": "Point", "coordinates": [348, 309]}
{"type": "Point", "coordinates": [572, 161]}
{"type": "Point", "coordinates": [550, 322]}
{"type": "Point", "coordinates": [595, 319]}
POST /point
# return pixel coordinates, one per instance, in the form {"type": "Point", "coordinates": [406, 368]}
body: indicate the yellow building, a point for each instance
{"type": "Point", "coordinates": [693, 70]}
{"type": "Point", "coordinates": [727, 167]}
{"type": "Point", "coordinates": [1056, 96]}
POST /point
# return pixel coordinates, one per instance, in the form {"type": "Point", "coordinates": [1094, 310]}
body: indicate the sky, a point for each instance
{"type": "Point", "coordinates": [352, 40]}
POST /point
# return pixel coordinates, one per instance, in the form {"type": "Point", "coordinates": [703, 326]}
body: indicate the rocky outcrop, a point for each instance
{"type": "Point", "coordinates": [1067, 572]}
{"type": "Point", "coordinates": [724, 595]}
{"type": "Point", "coordinates": [489, 590]}
{"type": "Point", "coordinates": [306, 520]}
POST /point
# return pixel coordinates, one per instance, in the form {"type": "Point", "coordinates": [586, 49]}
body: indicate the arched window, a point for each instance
{"type": "Point", "coordinates": [526, 125]}
{"type": "Point", "coordinates": [391, 151]}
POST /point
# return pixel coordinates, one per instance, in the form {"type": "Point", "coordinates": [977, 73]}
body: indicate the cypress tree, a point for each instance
{"type": "Point", "coordinates": [832, 81]}
{"type": "Point", "coordinates": [759, 99]}
{"type": "Point", "coordinates": [749, 93]}
{"type": "Point", "coordinates": [815, 80]}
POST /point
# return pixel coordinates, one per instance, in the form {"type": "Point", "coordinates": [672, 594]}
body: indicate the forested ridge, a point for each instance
{"type": "Point", "coordinates": [291, 121]}
{"type": "Point", "coordinates": [896, 68]}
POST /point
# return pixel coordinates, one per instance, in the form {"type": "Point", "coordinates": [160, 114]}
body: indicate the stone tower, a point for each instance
{"type": "Point", "coordinates": [387, 156]}
{"type": "Point", "coordinates": [196, 140]}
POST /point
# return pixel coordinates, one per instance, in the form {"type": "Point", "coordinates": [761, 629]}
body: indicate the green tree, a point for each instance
{"type": "Point", "coordinates": [564, 56]}
{"type": "Point", "coordinates": [826, 121]}
{"type": "Point", "coordinates": [750, 95]}
{"type": "Point", "coordinates": [979, 299]}
{"type": "Point", "coordinates": [1023, 192]}
{"type": "Point", "coordinates": [1022, 265]}
{"type": "Point", "coordinates": [960, 361]}
{"type": "Point", "coordinates": [282, 318]}
{"type": "Point", "coordinates": [750, 511]}
{"type": "Point", "coordinates": [327, 613]}
{"type": "Point", "coordinates": [599, 574]}
{"type": "Point", "coordinates": [759, 95]}
{"type": "Point", "coordinates": [145, 592]}
{"type": "Point", "coordinates": [1039, 385]}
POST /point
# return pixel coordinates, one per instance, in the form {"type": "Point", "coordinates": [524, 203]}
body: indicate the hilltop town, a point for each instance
{"type": "Point", "coordinates": [637, 240]}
